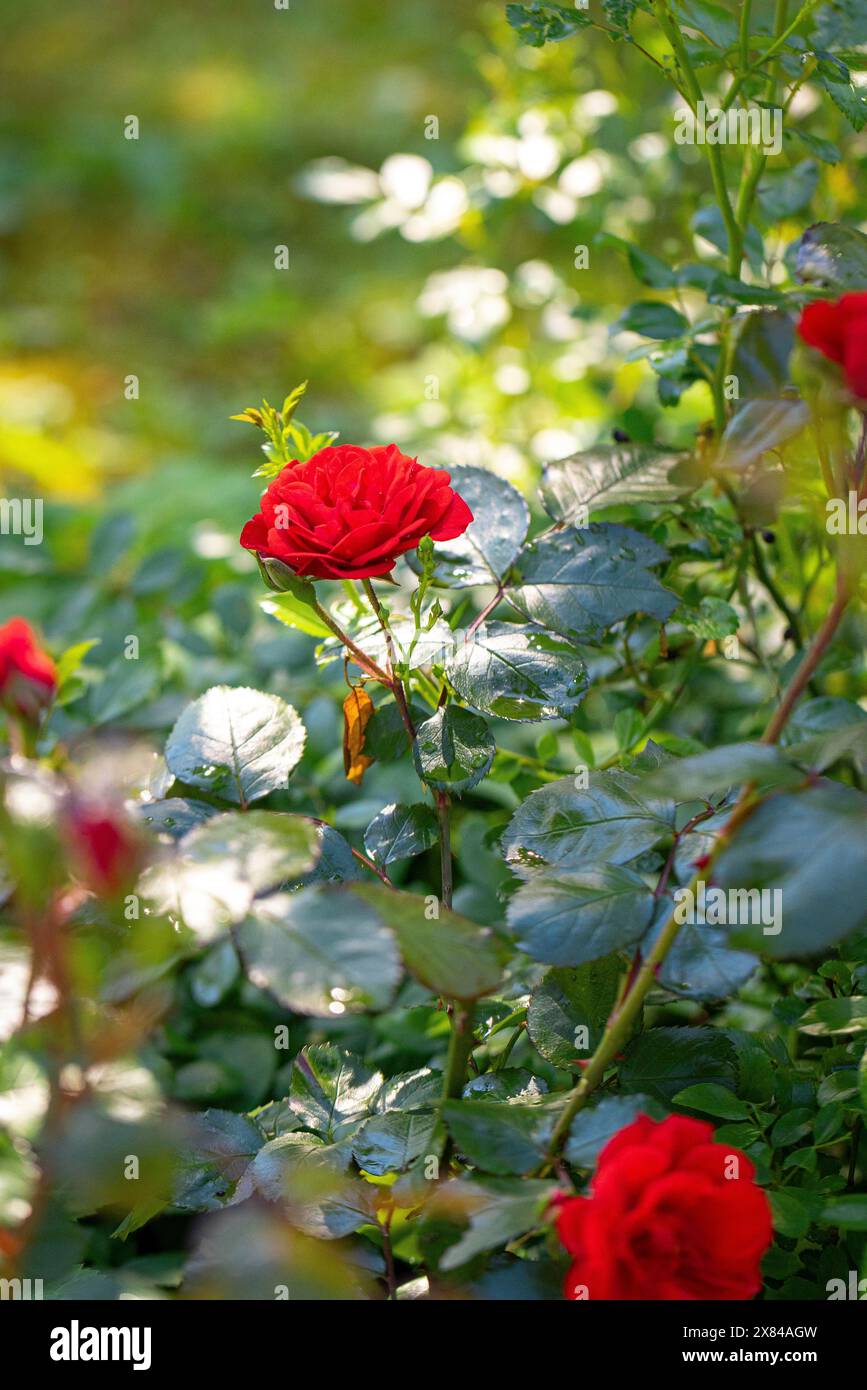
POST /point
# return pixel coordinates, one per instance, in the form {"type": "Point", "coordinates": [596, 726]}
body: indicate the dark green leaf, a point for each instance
{"type": "Point", "coordinates": [518, 673]}
{"type": "Point", "coordinates": [498, 1213]}
{"type": "Point", "coordinates": [400, 832]}
{"type": "Point", "coordinates": [568, 918]}
{"type": "Point", "coordinates": [484, 552]}
{"type": "Point", "coordinates": [453, 749]}
{"type": "Point", "coordinates": [663, 1061]}
{"type": "Point", "coordinates": [568, 999]}
{"type": "Point", "coordinates": [833, 257]}
{"type": "Point", "coordinates": [568, 826]}
{"type": "Point", "coordinates": [797, 844]}
{"type": "Point", "coordinates": [652, 319]}
{"type": "Point", "coordinates": [591, 1129]}
{"type": "Point", "coordinates": [448, 953]}
{"type": "Point", "coordinates": [608, 477]}
{"type": "Point", "coordinates": [499, 1138]}
{"type": "Point", "coordinates": [579, 582]}
{"type": "Point", "coordinates": [320, 951]}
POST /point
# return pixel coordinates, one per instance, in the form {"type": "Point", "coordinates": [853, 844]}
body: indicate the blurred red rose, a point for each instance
{"type": "Point", "coordinates": [672, 1215]}
{"type": "Point", "coordinates": [105, 849]}
{"type": "Point", "coordinates": [348, 512]}
{"type": "Point", "coordinates": [28, 676]}
{"type": "Point", "coordinates": [838, 329]}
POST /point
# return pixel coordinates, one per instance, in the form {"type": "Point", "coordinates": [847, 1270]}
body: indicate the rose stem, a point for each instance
{"type": "Point", "coordinates": [620, 1026]}
{"type": "Point", "coordinates": [442, 800]}
{"type": "Point", "coordinates": [369, 667]}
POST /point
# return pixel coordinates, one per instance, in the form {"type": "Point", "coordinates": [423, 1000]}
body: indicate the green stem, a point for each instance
{"type": "Point", "coordinates": [625, 1016]}
{"type": "Point", "coordinates": [368, 666]}
{"type": "Point", "coordinates": [443, 808]}
{"type": "Point", "coordinates": [461, 1045]}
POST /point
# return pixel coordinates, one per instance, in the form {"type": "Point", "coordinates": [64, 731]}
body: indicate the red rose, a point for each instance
{"type": "Point", "coordinates": [28, 676]}
{"type": "Point", "coordinates": [839, 331]}
{"type": "Point", "coordinates": [105, 850]}
{"type": "Point", "coordinates": [672, 1215]}
{"type": "Point", "coordinates": [348, 512]}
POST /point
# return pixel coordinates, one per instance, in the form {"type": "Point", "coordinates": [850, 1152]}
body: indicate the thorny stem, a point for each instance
{"type": "Point", "coordinates": [369, 667]}
{"type": "Point", "coordinates": [443, 806]}
{"type": "Point", "coordinates": [395, 683]}
{"type": "Point", "coordinates": [374, 868]}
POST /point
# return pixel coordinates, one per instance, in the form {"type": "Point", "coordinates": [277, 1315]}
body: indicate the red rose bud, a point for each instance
{"type": "Point", "coordinates": [671, 1215]}
{"type": "Point", "coordinates": [28, 676]}
{"type": "Point", "coordinates": [348, 512]}
{"type": "Point", "coordinates": [105, 850]}
{"type": "Point", "coordinates": [838, 329]}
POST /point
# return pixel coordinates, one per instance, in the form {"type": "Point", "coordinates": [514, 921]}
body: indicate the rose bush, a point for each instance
{"type": "Point", "coordinates": [348, 512]}
{"type": "Point", "coordinates": [403, 934]}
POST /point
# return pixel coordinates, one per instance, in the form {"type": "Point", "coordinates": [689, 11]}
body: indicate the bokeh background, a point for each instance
{"type": "Point", "coordinates": [387, 201]}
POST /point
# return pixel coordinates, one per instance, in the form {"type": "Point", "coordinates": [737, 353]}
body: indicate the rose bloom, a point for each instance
{"type": "Point", "coordinates": [28, 676]}
{"type": "Point", "coordinates": [838, 329]}
{"type": "Point", "coordinates": [664, 1221]}
{"type": "Point", "coordinates": [348, 512]}
{"type": "Point", "coordinates": [105, 850]}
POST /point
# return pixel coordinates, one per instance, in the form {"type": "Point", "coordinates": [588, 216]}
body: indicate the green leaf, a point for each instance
{"type": "Point", "coordinates": [849, 1212]}
{"type": "Point", "coordinates": [701, 964]}
{"type": "Point", "coordinates": [759, 426]}
{"type": "Point", "coordinates": [652, 319]}
{"type": "Point", "coordinates": [453, 749]}
{"type": "Point", "coordinates": [331, 1091]}
{"type": "Point", "coordinates": [319, 951]}
{"type": "Point", "coordinates": [221, 865]}
{"type": "Point", "coordinates": [764, 347]}
{"type": "Point", "coordinates": [568, 918]}
{"type": "Point", "coordinates": [609, 477]}
{"type": "Point", "coordinates": [713, 619]}
{"type": "Point", "coordinates": [222, 1147]}
{"type": "Point", "coordinates": [237, 743]}
{"type": "Point", "coordinates": [483, 554]}
{"type": "Point", "coordinates": [823, 149]}
{"type": "Point", "coordinates": [808, 846]}
{"type": "Point", "coordinates": [647, 268]}
{"type": "Point", "coordinates": [294, 610]}
{"type": "Point", "coordinates": [793, 1211]}
{"type": "Point", "coordinates": [498, 1213]}
{"type": "Point", "coordinates": [568, 999]}
{"type": "Point", "coordinates": [579, 582]}
{"type": "Point", "coordinates": [612, 820]}
{"type": "Point", "coordinates": [499, 1138]}
{"type": "Point", "coordinates": [705, 776]}
{"type": "Point", "coordinates": [730, 291]}
{"type": "Point", "coordinates": [711, 1099]}
{"type": "Point", "coordinates": [68, 665]}
{"type": "Point", "coordinates": [518, 673]}
{"type": "Point", "coordinates": [591, 1129]}
{"type": "Point", "coordinates": [830, 1016]}
{"type": "Point", "coordinates": [847, 98]}
{"type": "Point", "coordinates": [391, 1143]}
{"type": "Point", "coordinates": [538, 24]}
{"type": "Point", "coordinates": [400, 832]}
{"type": "Point", "coordinates": [832, 256]}
{"type": "Point", "coordinates": [663, 1061]}
{"type": "Point", "coordinates": [714, 21]}
{"type": "Point", "coordinates": [445, 951]}
{"type": "Point", "coordinates": [781, 195]}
